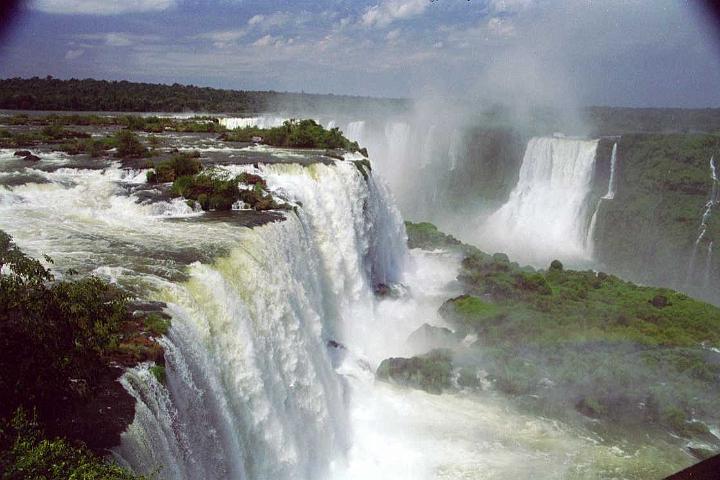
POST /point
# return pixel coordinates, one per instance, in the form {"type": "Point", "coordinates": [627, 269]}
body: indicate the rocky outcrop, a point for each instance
{"type": "Point", "coordinates": [431, 372]}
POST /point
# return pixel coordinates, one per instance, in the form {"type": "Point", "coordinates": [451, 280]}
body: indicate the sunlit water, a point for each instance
{"type": "Point", "coordinates": [253, 390]}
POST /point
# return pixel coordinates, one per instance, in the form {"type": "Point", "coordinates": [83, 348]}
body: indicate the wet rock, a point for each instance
{"type": "Point", "coordinates": [23, 153]}
{"type": "Point", "coordinates": [431, 372]}
{"type": "Point", "coordinates": [336, 345]}
{"type": "Point", "coordinates": [428, 337]}
{"type": "Point", "coordinates": [32, 158]}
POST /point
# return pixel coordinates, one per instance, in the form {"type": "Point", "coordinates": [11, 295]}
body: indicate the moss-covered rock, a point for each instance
{"type": "Point", "coordinates": [431, 372]}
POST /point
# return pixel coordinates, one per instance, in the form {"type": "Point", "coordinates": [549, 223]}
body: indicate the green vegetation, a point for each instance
{"type": "Point", "coordinates": [57, 342]}
{"type": "Point", "coordinates": [564, 341]}
{"type": "Point", "coordinates": [182, 164]}
{"type": "Point", "coordinates": [426, 235]}
{"type": "Point", "coordinates": [295, 134]}
{"type": "Point", "coordinates": [158, 372]}
{"type": "Point", "coordinates": [26, 454]}
{"type": "Point", "coordinates": [160, 124]}
{"type": "Point", "coordinates": [663, 185]}
{"type": "Point", "coordinates": [215, 189]}
{"type": "Point", "coordinates": [430, 372]}
{"type": "Point", "coordinates": [100, 95]}
{"type": "Point", "coordinates": [128, 144]}
{"type": "Point", "coordinates": [49, 135]}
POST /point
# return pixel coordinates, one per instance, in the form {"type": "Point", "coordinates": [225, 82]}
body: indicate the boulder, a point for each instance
{"type": "Point", "coordinates": [431, 372]}
{"type": "Point", "coordinates": [659, 301]}
{"type": "Point", "coordinates": [23, 153]}
{"type": "Point", "coordinates": [429, 337]}
{"type": "Point", "coordinates": [32, 158]}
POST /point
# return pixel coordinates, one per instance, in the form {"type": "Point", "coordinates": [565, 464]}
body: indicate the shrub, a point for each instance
{"type": "Point", "coordinates": [180, 165]}
{"type": "Point", "coordinates": [25, 454]}
{"type": "Point", "coordinates": [128, 144]}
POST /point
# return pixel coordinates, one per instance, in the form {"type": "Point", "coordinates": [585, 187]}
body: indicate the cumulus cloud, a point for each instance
{"type": "Point", "coordinates": [385, 13]}
{"type": "Point", "coordinates": [101, 7]}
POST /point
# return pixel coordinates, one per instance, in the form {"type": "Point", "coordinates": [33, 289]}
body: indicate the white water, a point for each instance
{"type": "Point", "coordinates": [253, 391]}
{"type": "Point", "coordinates": [611, 184]}
{"type": "Point", "coordinates": [260, 122]}
{"type": "Point", "coordinates": [610, 195]}
{"type": "Point", "coordinates": [713, 200]}
{"type": "Point", "coordinates": [546, 214]}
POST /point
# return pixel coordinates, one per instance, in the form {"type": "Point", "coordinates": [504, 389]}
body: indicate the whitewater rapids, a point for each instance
{"type": "Point", "coordinates": [258, 385]}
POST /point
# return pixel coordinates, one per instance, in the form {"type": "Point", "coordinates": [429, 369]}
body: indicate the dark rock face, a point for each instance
{"type": "Point", "coordinates": [100, 421]}
{"type": "Point", "coordinates": [32, 158]}
{"type": "Point", "coordinates": [23, 153]}
{"type": "Point", "coordinates": [430, 372]}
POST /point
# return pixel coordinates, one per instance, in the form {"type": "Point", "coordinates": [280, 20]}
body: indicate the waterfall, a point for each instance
{"type": "Point", "coordinates": [355, 131]}
{"type": "Point", "coordinates": [251, 389]}
{"type": "Point", "coordinates": [704, 219]}
{"type": "Point", "coordinates": [610, 195]}
{"type": "Point", "coordinates": [708, 265]}
{"type": "Point", "coordinates": [611, 184]}
{"type": "Point", "coordinates": [546, 214]}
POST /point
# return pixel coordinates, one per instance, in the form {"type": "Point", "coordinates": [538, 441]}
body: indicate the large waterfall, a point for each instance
{"type": "Point", "coordinates": [546, 215]}
{"type": "Point", "coordinates": [276, 331]}
{"type": "Point", "coordinates": [249, 369]}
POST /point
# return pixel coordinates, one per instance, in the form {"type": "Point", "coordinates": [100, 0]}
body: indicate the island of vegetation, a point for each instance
{"type": "Point", "coordinates": [560, 341]}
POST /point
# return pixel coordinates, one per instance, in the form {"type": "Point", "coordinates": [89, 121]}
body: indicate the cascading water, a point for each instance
{"type": "Point", "coordinates": [702, 229]}
{"type": "Point", "coordinates": [611, 184]}
{"type": "Point", "coordinates": [251, 387]}
{"type": "Point", "coordinates": [546, 214]}
{"type": "Point", "coordinates": [255, 388]}
{"type": "Point", "coordinates": [610, 195]}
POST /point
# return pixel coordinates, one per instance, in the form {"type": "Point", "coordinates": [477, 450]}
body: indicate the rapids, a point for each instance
{"type": "Point", "coordinates": [276, 330]}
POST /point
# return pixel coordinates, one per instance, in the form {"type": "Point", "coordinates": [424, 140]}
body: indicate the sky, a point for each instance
{"type": "Point", "coordinates": [609, 52]}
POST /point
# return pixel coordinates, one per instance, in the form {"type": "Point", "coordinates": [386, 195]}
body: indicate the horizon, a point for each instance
{"type": "Point", "coordinates": [320, 94]}
{"type": "Point", "coordinates": [642, 54]}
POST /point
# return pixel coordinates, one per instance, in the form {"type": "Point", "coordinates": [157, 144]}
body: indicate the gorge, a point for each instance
{"type": "Point", "coordinates": [281, 319]}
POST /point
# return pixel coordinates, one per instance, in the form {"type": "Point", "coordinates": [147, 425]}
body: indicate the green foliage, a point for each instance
{"type": "Point", "coordinates": [52, 332]}
{"type": "Point", "coordinates": [215, 189]}
{"type": "Point", "coordinates": [122, 96]}
{"type": "Point", "coordinates": [180, 165]}
{"type": "Point", "coordinates": [426, 235]}
{"type": "Point", "coordinates": [128, 144]}
{"type": "Point", "coordinates": [158, 372]}
{"type": "Point", "coordinates": [430, 372]}
{"type": "Point", "coordinates": [50, 134]}
{"type": "Point", "coordinates": [650, 228]}
{"type": "Point", "coordinates": [295, 134]}
{"type": "Point", "coordinates": [563, 339]}
{"type": "Point", "coordinates": [157, 324]}
{"type": "Point", "coordinates": [25, 454]}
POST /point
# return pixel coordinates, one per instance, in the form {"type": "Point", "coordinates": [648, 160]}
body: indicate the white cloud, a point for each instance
{"type": "Point", "coordinates": [501, 27]}
{"type": "Point", "coordinates": [509, 6]}
{"type": "Point", "coordinates": [274, 20]}
{"type": "Point", "coordinates": [118, 39]}
{"type": "Point", "coordinates": [101, 7]}
{"type": "Point", "coordinates": [385, 13]}
{"type": "Point", "coordinates": [73, 54]}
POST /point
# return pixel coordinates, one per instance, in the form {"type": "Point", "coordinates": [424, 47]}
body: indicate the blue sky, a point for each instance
{"type": "Point", "coordinates": [610, 52]}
